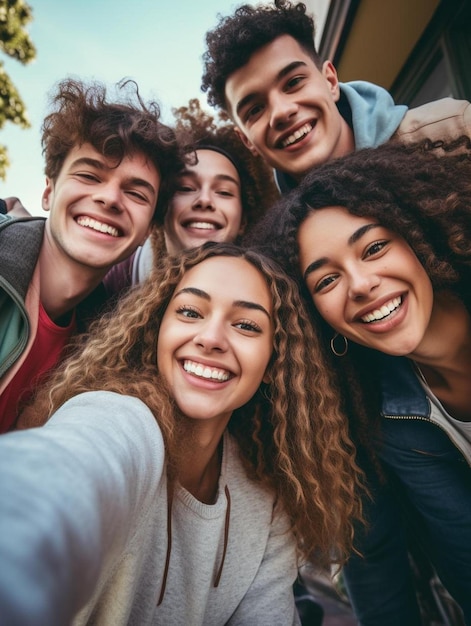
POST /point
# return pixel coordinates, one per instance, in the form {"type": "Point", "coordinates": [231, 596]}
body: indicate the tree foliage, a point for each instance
{"type": "Point", "coordinates": [15, 42]}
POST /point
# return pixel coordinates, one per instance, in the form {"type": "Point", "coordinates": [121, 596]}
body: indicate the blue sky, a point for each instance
{"type": "Point", "coordinates": [159, 43]}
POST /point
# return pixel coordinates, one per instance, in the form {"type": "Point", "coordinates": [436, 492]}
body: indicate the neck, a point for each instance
{"type": "Point", "coordinates": [444, 356]}
{"type": "Point", "coordinates": [63, 284]}
{"type": "Point", "coordinates": [200, 467]}
{"type": "Point", "coordinates": [446, 344]}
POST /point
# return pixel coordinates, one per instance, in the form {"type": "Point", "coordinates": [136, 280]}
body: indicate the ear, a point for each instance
{"type": "Point", "coordinates": [48, 195]}
{"type": "Point", "coordinates": [243, 225]}
{"type": "Point", "coordinates": [330, 74]}
{"type": "Point", "coordinates": [267, 376]}
{"type": "Point", "coordinates": [246, 141]}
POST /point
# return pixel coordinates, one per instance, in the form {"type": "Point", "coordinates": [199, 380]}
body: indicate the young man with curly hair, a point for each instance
{"type": "Point", "coordinates": [109, 169]}
{"type": "Point", "coordinates": [261, 66]}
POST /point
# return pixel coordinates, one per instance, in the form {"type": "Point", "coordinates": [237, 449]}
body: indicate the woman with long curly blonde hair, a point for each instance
{"type": "Point", "coordinates": [194, 439]}
{"type": "Point", "coordinates": [381, 240]}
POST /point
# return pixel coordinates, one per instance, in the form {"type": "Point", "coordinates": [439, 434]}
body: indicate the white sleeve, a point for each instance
{"type": "Point", "coordinates": [270, 599]}
{"type": "Point", "coordinates": [71, 494]}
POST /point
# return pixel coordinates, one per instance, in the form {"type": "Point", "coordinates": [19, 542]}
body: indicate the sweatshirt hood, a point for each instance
{"type": "Point", "coordinates": [371, 113]}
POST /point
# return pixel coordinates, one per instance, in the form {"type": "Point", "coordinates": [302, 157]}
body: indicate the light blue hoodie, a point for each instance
{"type": "Point", "coordinates": [372, 114]}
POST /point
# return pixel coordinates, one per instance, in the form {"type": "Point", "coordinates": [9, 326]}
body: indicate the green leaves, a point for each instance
{"type": "Point", "coordinates": [15, 15]}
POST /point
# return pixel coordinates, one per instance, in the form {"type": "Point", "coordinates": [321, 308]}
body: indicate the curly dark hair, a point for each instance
{"type": "Point", "coordinates": [82, 113]}
{"type": "Point", "coordinates": [195, 127]}
{"type": "Point", "coordinates": [230, 45]}
{"type": "Point", "coordinates": [415, 191]}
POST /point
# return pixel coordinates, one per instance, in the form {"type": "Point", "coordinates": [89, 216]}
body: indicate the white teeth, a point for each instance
{"type": "Point", "coordinates": [204, 371]}
{"type": "Point", "coordinates": [89, 222]}
{"type": "Point", "coordinates": [383, 312]}
{"type": "Point", "coordinates": [201, 225]}
{"type": "Point", "coordinates": [304, 130]}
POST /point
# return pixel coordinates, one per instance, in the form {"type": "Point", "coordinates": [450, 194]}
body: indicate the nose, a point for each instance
{"type": "Point", "coordinates": [109, 195]}
{"type": "Point", "coordinates": [282, 109]}
{"type": "Point", "coordinates": [203, 200]}
{"type": "Point", "coordinates": [361, 283]}
{"type": "Point", "coordinates": [211, 336]}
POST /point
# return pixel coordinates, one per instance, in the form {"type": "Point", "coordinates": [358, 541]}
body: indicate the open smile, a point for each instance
{"type": "Point", "coordinates": [204, 371]}
{"type": "Point", "coordinates": [383, 312]}
{"type": "Point", "coordinates": [298, 134]}
{"type": "Point", "coordinates": [101, 227]}
{"type": "Point", "coordinates": [201, 225]}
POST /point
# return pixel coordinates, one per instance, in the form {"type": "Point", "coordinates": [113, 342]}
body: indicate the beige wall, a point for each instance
{"type": "Point", "coordinates": [383, 35]}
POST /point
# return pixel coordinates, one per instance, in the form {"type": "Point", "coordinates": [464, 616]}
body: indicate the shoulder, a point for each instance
{"type": "Point", "coordinates": [442, 119]}
{"type": "Point", "coordinates": [18, 228]}
{"type": "Point", "coordinates": [108, 414]}
{"type": "Point", "coordinates": [30, 222]}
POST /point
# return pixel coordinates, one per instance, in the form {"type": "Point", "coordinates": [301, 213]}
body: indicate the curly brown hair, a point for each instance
{"type": "Point", "coordinates": [195, 127]}
{"type": "Point", "coordinates": [292, 435]}
{"type": "Point", "coordinates": [423, 193]}
{"type": "Point", "coordinates": [82, 113]}
{"type": "Point", "coordinates": [233, 41]}
{"type": "Point", "coordinates": [198, 127]}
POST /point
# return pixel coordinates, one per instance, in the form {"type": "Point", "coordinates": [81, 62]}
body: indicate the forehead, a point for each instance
{"type": "Point", "coordinates": [211, 164]}
{"type": "Point", "coordinates": [263, 68]}
{"type": "Point", "coordinates": [325, 230]}
{"type": "Point", "coordinates": [233, 278]}
{"type": "Point", "coordinates": [328, 222]}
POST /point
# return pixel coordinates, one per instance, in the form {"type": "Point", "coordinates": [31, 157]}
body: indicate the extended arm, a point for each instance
{"type": "Point", "coordinates": [72, 493]}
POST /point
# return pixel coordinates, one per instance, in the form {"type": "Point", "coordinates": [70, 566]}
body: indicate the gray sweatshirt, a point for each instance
{"type": "Point", "coordinates": [84, 529]}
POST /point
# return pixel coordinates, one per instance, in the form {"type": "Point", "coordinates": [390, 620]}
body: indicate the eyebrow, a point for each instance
{"type": "Point", "coordinates": [242, 304]}
{"type": "Point", "coordinates": [281, 74]}
{"type": "Point", "coordinates": [356, 236]}
{"type": "Point", "coordinates": [99, 165]}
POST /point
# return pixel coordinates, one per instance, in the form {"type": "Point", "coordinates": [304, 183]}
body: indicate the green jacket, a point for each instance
{"type": "Point", "coordinates": [20, 244]}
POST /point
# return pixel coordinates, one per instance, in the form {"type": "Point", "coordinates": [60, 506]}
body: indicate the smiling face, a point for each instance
{"type": "Point", "coordinates": [285, 108]}
{"type": "Point", "coordinates": [99, 213]}
{"type": "Point", "coordinates": [365, 281]}
{"type": "Point", "coordinates": [207, 205]}
{"type": "Point", "coordinates": [216, 338]}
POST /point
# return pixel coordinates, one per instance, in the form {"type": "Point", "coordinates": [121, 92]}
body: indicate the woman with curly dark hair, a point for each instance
{"type": "Point", "coordinates": [191, 444]}
{"type": "Point", "coordinates": [382, 242]}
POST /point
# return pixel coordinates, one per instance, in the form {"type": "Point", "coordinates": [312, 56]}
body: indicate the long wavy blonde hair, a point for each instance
{"type": "Point", "coordinates": [292, 434]}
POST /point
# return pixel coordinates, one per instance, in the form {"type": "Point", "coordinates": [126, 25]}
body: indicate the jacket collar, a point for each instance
{"type": "Point", "coordinates": [402, 393]}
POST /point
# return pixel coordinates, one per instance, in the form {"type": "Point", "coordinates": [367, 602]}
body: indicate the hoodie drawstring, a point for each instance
{"type": "Point", "coordinates": [169, 541]}
{"type": "Point", "coordinates": [226, 535]}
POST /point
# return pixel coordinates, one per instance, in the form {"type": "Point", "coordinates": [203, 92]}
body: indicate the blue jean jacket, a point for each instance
{"type": "Point", "coordinates": [431, 478]}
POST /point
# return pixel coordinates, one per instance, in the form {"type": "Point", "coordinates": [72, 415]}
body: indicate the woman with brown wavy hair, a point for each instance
{"type": "Point", "coordinates": [381, 240]}
{"type": "Point", "coordinates": [194, 439]}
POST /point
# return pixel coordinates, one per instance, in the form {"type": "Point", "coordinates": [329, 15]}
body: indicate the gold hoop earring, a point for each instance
{"type": "Point", "coordinates": [345, 345]}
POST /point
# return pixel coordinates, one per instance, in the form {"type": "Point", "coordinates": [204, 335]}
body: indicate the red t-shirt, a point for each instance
{"type": "Point", "coordinates": [44, 354]}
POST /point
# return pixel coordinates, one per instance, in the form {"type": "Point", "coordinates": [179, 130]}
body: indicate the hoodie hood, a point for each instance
{"type": "Point", "coordinates": [371, 113]}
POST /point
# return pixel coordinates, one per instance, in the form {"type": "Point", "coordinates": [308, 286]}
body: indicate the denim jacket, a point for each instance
{"type": "Point", "coordinates": [405, 397]}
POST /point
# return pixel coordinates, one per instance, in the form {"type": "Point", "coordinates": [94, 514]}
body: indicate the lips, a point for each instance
{"type": "Point", "coordinates": [383, 311]}
{"type": "Point", "coordinates": [298, 134]}
{"type": "Point", "coordinates": [205, 371]}
{"type": "Point", "coordinates": [201, 225]}
{"type": "Point", "coordinates": [101, 227]}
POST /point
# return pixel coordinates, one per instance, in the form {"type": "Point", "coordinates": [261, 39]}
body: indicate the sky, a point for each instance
{"type": "Point", "coordinates": [158, 43]}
